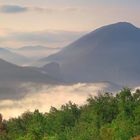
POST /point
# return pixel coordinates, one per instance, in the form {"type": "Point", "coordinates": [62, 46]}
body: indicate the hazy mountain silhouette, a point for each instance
{"type": "Point", "coordinates": [53, 70]}
{"type": "Point", "coordinates": [13, 79]}
{"type": "Point", "coordinates": [11, 72]}
{"type": "Point", "coordinates": [110, 53]}
{"type": "Point", "coordinates": [12, 57]}
{"type": "Point", "coordinates": [33, 53]}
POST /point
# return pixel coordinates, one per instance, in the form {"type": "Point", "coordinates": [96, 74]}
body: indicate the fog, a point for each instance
{"type": "Point", "coordinates": [42, 97]}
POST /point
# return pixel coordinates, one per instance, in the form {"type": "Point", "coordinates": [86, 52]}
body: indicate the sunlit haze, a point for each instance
{"type": "Point", "coordinates": [58, 22]}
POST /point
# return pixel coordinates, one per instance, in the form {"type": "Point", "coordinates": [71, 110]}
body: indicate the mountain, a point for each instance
{"type": "Point", "coordinates": [13, 79]}
{"type": "Point", "coordinates": [12, 57]}
{"type": "Point", "coordinates": [52, 69]}
{"type": "Point", "coordinates": [33, 53]}
{"type": "Point", "coordinates": [110, 53]}
{"type": "Point", "coordinates": [11, 72]}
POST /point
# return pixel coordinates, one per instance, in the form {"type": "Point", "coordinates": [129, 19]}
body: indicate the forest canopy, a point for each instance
{"type": "Point", "coordinates": [107, 116]}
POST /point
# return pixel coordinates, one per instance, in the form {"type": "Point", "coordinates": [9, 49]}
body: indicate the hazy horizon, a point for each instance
{"type": "Point", "coordinates": [56, 23]}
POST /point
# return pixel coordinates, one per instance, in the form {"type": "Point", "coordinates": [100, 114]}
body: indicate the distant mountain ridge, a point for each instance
{"type": "Point", "coordinates": [13, 78]}
{"type": "Point", "coordinates": [110, 53]}
{"type": "Point", "coordinates": [12, 57]}
{"type": "Point", "coordinates": [11, 72]}
{"type": "Point", "coordinates": [33, 53]}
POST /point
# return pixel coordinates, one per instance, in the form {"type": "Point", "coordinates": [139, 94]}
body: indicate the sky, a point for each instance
{"type": "Point", "coordinates": [56, 23]}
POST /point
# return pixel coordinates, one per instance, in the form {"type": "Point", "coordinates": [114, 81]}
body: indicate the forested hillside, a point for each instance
{"type": "Point", "coordinates": [104, 117]}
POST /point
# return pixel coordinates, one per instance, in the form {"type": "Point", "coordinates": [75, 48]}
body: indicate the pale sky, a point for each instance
{"type": "Point", "coordinates": [59, 22]}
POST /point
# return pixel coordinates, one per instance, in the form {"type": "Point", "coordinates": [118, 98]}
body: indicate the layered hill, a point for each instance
{"type": "Point", "coordinates": [13, 57]}
{"type": "Point", "coordinates": [15, 80]}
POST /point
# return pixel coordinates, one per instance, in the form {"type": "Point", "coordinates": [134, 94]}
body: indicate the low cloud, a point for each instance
{"type": "Point", "coordinates": [12, 9]}
{"type": "Point", "coordinates": [56, 38]}
{"type": "Point", "coordinates": [45, 36]}
{"type": "Point", "coordinates": [54, 10]}
{"type": "Point", "coordinates": [46, 96]}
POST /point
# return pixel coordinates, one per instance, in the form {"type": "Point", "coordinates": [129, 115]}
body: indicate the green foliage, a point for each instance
{"type": "Point", "coordinates": [104, 117]}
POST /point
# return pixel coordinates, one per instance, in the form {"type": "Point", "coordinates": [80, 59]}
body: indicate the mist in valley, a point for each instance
{"type": "Point", "coordinates": [31, 96]}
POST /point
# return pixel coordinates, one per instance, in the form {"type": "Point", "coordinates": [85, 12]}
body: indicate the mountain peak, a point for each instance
{"type": "Point", "coordinates": [114, 32]}
{"type": "Point", "coordinates": [119, 26]}
{"type": "Point", "coordinates": [124, 23]}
